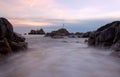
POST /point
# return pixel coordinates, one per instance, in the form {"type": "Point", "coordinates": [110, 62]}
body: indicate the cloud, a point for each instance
{"type": "Point", "coordinates": [57, 8]}
{"type": "Point", "coordinates": [67, 10]}
{"type": "Point", "coordinates": [26, 8]}
{"type": "Point", "coordinates": [17, 22]}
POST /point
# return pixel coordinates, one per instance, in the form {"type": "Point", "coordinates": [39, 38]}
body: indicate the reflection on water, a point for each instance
{"type": "Point", "coordinates": [48, 57]}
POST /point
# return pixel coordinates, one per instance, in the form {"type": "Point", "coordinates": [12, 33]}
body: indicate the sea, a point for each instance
{"type": "Point", "coordinates": [61, 57]}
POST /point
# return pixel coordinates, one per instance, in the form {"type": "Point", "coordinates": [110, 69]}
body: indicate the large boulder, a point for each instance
{"type": "Point", "coordinates": [106, 36]}
{"type": "Point", "coordinates": [6, 29]}
{"type": "Point", "coordinates": [9, 40]}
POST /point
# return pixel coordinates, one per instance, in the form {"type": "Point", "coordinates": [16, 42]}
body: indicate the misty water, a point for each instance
{"type": "Point", "coordinates": [68, 57]}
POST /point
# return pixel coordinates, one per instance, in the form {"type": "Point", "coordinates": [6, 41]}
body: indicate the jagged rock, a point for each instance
{"type": "Point", "coordinates": [9, 40]}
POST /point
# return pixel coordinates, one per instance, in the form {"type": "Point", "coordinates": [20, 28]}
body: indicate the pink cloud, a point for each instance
{"type": "Point", "coordinates": [17, 22]}
{"type": "Point", "coordinates": [28, 8]}
{"type": "Point", "coordinates": [54, 9]}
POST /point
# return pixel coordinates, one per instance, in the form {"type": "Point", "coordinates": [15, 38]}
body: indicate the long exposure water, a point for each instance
{"type": "Point", "coordinates": [68, 57]}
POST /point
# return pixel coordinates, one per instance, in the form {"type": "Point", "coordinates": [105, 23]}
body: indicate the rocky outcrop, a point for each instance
{"type": "Point", "coordinates": [106, 36]}
{"type": "Point", "coordinates": [60, 33]}
{"type": "Point", "coordinates": [10, 41]}
{"type": "Point", "coordinates": [37, 32]}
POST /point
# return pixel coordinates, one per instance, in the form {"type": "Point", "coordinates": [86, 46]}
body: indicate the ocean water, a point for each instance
{"type": "Point", "coordinates": [68, 57]}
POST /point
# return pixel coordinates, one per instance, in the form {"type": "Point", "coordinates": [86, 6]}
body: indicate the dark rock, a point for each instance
{"type": "Point", "coordinates": [5, 48]}
{"type": "Point", "coordinates": [9, 40]}
{"type": "Point", "coordinates": [38, 32]}
{"type": "Point", "coordinates": [41, 31]}
{"type": "Point", "coordinates": [116, 46]}
{"type": "Point", "coordinates": [18, 37]}
{"type": "Point", "coordinates": [78, 33]}
{"type": "Point", "coordinates": [6, 29]}
{"type": "Point", "coordinates": [59, 33]}
{"type": "Point", "coordinates": [92, 39]}
{"type": "Point", "coordinates": [85, 35]}
{"type": "Point", "coordinates": [47, 34]}
{"type": "Point", "coordinates": [32, 32]}
{"type": "Point", "coordinates": [106, 36]}
{"type": "Point", "coordinates": [16, 46]}
{"type": "Point", "coordinates": [108, 25]}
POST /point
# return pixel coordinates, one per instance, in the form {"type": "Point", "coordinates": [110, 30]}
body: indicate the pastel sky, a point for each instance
{"type": "Point", "coordinates": [49, 12]}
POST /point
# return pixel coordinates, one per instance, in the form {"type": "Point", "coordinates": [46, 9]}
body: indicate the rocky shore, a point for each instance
{"type": "Point", "coordinates": [107, 36]}
{"type": "Point", "coordinates": [10, 41]}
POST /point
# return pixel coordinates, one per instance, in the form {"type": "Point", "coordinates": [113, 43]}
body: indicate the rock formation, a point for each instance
{"type": "Point", "coordinates": [106, 36]}
{"type": "Point", "coordinates": [59, 33]}
{"type": "Point", "coordinates": [10, 41]}
{"type": "Point", "coordinates": [37, 32]}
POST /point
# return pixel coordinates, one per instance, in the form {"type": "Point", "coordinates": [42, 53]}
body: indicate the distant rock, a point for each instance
{"type": "Point", "coordinates": [106, 36]}
{"type": "Point", "coordinates": [37, 32]}
{"type": "Point", "coordinates": [60, 33]}
{"type": "Point", "coordinates": [10, 41]}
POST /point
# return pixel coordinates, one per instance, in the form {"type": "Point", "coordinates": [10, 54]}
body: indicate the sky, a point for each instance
{"type": "Point", "coordinates": [83, 14]}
